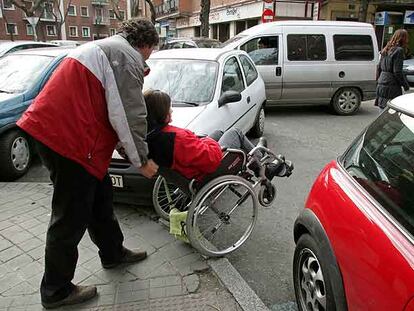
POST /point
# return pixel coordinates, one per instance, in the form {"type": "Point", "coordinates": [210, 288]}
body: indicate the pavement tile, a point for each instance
{"type": "Point", "coordinates": [130, 296]}
{"type": "Point", "coordinates": [85, 254]}
{"type": "Point", "coordinates": [30, 244]}
{"type": "Point", "coordinates": [154, 234]}
{"type": "Point", "coordinates": [135, 241]}
{"type": "Point", "coordinates": [147, 266]}
{"type": "Point", "coordinates": [177, 290]}
{"type": "Point", "coordinates": [19, 262]}
{"type": "Point", "coordinates": [32, 222]}
{"type": "Point", "coordinates": [23, 288]}
{"type": "Point", "coordinates": [5, 302]}
{"type": "Point", "coordinates": [4, 244]}
{"type": "Point", "coordinates": [9, 280]}
{"type": "Point", "coordinates": [115, 275]}
{"type": "Point", "coordinates": [38, 230]}
{"type": "Point", "coordinates": [35, 280]}
{"type": "Point", "coordinates": [93, 280]}
{"type": "Point", "coordinates": [21, 218]}
{"type": "Point", "coordinates": [183, 264]}
{"type": "Point", "coordinates": [108, 289]}
{"type": "Point", "coordinates": [106, 300]}
{"type": "Point", "coordinates": [15, 234]}
{"type": "Point", "coordinates": [164, 270]}
{"type": "Point", "coordinates": [30, 270]}
{"type": "Point", "coordinates": [38, 252]}
{"type": "Point", "coordinates": [166, 281]}
{"type": "Point", "coordinates": [93, 265]}
{"type": "Point", "coordinates": [80, 275]}
{"type": "Point", "coordinates": [133, 286]}
{"type": "Point", "coordinates": [191, 282]}
{"type": "Point", "coordinates": [5, 224]}
{"type": "Point", "coordinates": [10, 253]}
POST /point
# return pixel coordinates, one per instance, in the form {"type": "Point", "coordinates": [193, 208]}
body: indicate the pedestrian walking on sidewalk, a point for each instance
{"type": "Point", "coordinates": [390, 76]}
{"type": "Point", "coordinates": [92, 102]}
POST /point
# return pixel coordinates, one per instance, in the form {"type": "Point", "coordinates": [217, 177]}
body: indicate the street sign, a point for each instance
{"type": "Point", "coordinates": [268, 11]}
{"type": "Point", "coordinates": [409, 17]}
{"type": "Point", "coordinates": [267, 16]}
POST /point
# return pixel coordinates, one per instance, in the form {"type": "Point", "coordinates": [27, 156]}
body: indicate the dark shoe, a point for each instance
{"type": "Point", "coordinates": [130, 256]}
{"type": "Point", "coordinates": [78, 295]}
{"type": "Point", "coordinates": [262, 142]}
{"type": "Point", "coordinates": [280, 169]}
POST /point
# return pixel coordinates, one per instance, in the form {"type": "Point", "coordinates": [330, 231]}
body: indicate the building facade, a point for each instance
{"type": "Point", "coordinates": [180, 18]}
{"type": "Point", "coordinates": [78, 20]}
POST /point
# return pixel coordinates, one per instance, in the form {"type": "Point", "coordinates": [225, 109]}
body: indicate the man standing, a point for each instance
{"type": "Point", "coordinates": [92, 102]}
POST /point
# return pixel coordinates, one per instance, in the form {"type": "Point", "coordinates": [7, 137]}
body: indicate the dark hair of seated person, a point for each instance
{"type": "Point", "coordinates": [158, 107]}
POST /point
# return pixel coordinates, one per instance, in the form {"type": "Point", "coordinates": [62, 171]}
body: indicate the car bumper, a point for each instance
{"type": "Point", "coordinates": [136, 189]}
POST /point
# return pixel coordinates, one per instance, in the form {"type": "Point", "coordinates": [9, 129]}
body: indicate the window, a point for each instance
{"type": "Point", "coordinates": [50, 30]}
{"type": "Point", "coordinates": [188, 45]}
{"type": "Point", "coordinates": [11, 29]}
{"type": "Point", "coordinates": [8, 5]}
{"type": "Point", "coordinates": [48, 11]}
{"type": "Point", "coordinates": [86, 32]}
{"type": "Point", "coordinates": [232, 76]}
{"type": "Point", "coordinates": [112, 31]}
{"type": "Point", "coordinates": [73, 31]}
{"type": "Point", "coordinates": [29, 30]}
{"type": "Point", "coordinates": [122, 15]}
{"type": "Point", "coordinates": [84, 11]}
{"type": "Point", "coordinates": [382, 162]}
{"type": "Point", "coordinates": [248, 69]}
{"type": "Point", "coordinates": [306, 47]}
{"type": "Point", "coordinates": [353, 47]}
{"type": "Point", "coordinates": [263, 50]}
{"type": "Point", "coordinates": [112, 14]}
{"type": "Point", "coordinates": [72, 10]}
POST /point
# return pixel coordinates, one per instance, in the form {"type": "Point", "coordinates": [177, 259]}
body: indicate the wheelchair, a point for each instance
{"type": "Point", "coordinates": [221, 208]}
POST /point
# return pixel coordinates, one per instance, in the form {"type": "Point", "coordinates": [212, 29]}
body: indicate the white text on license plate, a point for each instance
{"type": "Point", "coordinates": [117, 181]}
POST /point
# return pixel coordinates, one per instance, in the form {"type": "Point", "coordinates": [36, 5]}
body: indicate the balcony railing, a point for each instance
{"type": "Point", "coordinates": [101, 20]}
{"type": "Point", "coordinates": [100, 2]}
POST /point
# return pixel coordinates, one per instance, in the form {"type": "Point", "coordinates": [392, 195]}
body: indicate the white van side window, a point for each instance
{"type": "Point", "coordinates": [306, 47]}
{"type": "Point", "coordinates": [353, 47]}
{"type": "Point", "coordinates": [263, 50]}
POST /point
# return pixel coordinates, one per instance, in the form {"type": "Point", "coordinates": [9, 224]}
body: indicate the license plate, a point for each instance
{"type": "Point", "coordinates": [117, 181]}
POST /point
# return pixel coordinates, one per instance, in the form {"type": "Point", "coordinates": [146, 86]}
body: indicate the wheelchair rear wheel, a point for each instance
{"type": "Point", "coordinates": [166, 196]}
{"type": "Point", "coordinates": [222, 216]}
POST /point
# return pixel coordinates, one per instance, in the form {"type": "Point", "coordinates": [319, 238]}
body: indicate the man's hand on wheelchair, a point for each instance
{"type": "Point", "coordinates": [149, 169]}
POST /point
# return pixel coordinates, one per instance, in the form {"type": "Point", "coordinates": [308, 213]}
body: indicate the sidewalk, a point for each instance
{"type": "Point", "coordinates": [173, 277]}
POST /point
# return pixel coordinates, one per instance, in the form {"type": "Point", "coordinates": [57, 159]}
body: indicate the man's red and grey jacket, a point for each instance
{"type": "Point", "coordinates": [184, 152]}
{"type": "Point", "coordinates": [93, 101]}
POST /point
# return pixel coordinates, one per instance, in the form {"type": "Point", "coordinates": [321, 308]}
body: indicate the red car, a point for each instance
{"type": "Point", "coordinates": [355, 237]}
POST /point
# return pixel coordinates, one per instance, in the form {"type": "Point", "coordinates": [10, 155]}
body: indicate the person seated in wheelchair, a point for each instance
{"type": "Point", "coordinates": [190, 155]}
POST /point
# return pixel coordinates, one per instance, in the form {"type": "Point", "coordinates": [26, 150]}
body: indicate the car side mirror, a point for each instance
{"type": "Point", "coordinates": [229, 97]}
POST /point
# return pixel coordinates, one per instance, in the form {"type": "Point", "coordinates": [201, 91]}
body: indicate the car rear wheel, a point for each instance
{"type": "Point", "coordinates": [311, 277]}
{"type": "Point", "coordinates": [346, 101]}
{"type": "Point", "coordinates": [15, 155]}
{"type": "Point", "coordinates": [259, 124]}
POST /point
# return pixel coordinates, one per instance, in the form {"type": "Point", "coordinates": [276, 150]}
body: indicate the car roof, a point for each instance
{"type": "Point", "coordinates": [266, 26]}
{"type": "Point", "coordinates": [11, 44]}
{"type": "Point", "coordinates": [49, 51]}
{"type": "Point", "coordinates": [404, 104]}
{"type": "Point", "coordinates": [192, 53]}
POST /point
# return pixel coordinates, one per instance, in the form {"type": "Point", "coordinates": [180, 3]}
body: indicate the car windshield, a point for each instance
{"type": "Point", "coordinates": [208, 44]}
{"type": "Point", "coordinates": [20, 72]}
{"type": "Point", "coordinates": [186, 81]}
{"type": "Point", "coordinates": [233, 40]}
{"type": "Point", "coordinates": [382, 161]}
{"type": "Point", "coordinates": [4, 47]}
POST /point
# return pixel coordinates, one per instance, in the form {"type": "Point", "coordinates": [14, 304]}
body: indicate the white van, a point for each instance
{"type": "Point", "coordinates": [313, 62]}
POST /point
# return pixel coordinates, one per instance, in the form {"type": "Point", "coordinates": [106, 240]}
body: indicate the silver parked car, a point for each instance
{"type": "Point", "coordinates": [408, 70]}
{"type": "Point", "coordinates": [199, 82]}
{"type": "Point", "coordinates": [10, 47]}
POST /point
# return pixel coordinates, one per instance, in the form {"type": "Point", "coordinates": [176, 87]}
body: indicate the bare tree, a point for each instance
{"type": "Point", "coordinates": [29, 10]}
{"type": "Point", "coordinates": [363, 10]}
{"type": "Point", "coordinates": [60, 17]}
{"type": "Point", "coordinates": [134, 9]}
{"type": "Point", "coordinates": [204, 17]}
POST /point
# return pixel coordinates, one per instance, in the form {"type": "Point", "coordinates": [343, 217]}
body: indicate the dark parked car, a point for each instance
{"type": "Point", "coordinates": [22, 76]}
{"type": "Point", "coordinates": [198, 42]}
{"type": "Point", "coordinates": [355, 237]}
{"type": "Point", "coordinates": [10, 47]}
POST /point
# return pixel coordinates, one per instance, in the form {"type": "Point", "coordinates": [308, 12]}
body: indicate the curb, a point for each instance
{"type": "Point", "coordinates": [237, 286]}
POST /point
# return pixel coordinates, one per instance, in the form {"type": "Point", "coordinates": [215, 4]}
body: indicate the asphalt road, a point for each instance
{"type": "Point", "coordinates": [310, 137]}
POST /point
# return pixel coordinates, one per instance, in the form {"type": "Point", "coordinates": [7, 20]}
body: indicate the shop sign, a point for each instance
{"type": "Point", "coordinates": [381, 18]}
{"type": "Point", "coordinates": [409, 17]}
{"type": "Point", "coordinates": [164, 23]}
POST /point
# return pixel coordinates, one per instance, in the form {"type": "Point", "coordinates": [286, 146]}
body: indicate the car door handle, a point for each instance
{"type": "Point", "coordinates": [278, 71]}
{"type": "Point", "coordinates": [248, 99]}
